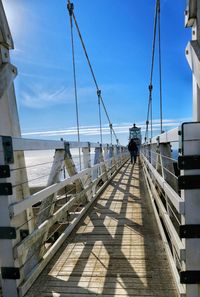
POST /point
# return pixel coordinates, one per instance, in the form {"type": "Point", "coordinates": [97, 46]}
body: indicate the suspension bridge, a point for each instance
{"type": "Point", "coordinates": [103, 227]}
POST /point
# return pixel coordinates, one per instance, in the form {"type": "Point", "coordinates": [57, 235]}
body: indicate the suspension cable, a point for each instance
{"type": "Point", "coordinates": [70, 7]}
{"type": "Point", "coordinates": [111, 129]}
{"type": "Point", "coordinates": [100, 122]}
{"type": "Point", "coordinates": [160, 67]}
{"type": "Point", "coordinates": [149, 111]}
{"type": "Point", "coordinates": [92, 71]}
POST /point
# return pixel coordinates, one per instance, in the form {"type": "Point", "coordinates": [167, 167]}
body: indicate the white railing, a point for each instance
{"type": "Point", "coordinates": [35, 221]}
{"type": "Point", "coordinates": [174, 187]}
{"type": "Point", "coordinates": [161, 174]}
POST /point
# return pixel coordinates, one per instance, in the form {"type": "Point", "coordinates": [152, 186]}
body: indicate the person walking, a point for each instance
{"type": "Point", "coordinates": [133, 149]}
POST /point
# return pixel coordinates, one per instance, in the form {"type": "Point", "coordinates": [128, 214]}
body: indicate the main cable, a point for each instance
{"type": "Point", "coordinates": [149, 111]}
{"type": "Point", "coordinates": [160, 68]}
{"type": "Point", "coordinates": [70, 7]}
{"type": "Point", "coordinates": [92, 72]}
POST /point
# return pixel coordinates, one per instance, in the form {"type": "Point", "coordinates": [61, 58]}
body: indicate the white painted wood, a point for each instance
{"type": "Point", "coordinates": [25, 144]}
{"type": "Point", "coordinates": [20, 206]}
{"type": "Point", "coordinates": [191, 147]}
{"type": "Point", "coordinates": [9, 125]}
{"type": "Point", "coordinates": [9, 287]}
{"type": "Point", "coordinates": [36, 251]}
{"type": "Point", "coordinates": [7, 74]}
{"type": "Point", "coordinates": [169, 136]}
{"type": "Point", "coordinates": [29, 241]}
{"type": "Point", "coordinates": [95, 172]}
{"type": "Point", "coordinates": [41, 229]}
{"type": "Point", "coordinates": [190, 13]}
{"type": "Point", "coordinates": [5, 34]}
{"type": "Point", "coordinates": [103, 165]}
{"type": "Point", "coordinates": [166, 219]}
{"type": "Point", "coordinates": [180, 287]}
{"type": "Point", "coordinates": [193, 55]}
{"type": "Point", "coordinates": [176, 200]}
{"type": "Point", "coordinates": [191, 133]}
{"type": "Point", "coordinates": [54, 177]}
{"type": "Point", "coordinates": [111, 158]}
{"type": "Point", "coordinates": [47, 257]}
{"type": "Point", "coordinates": [71, 169]}
{"type": "Point", "coordinates": [167, 165]}
{"type": "Point", "coordinates": [87, 179]}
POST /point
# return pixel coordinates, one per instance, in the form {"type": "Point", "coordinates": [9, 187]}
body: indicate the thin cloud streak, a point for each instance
{"type": "Point", "coordinates": [94, 130]}
{"type": "Point", "coordinates": [39, 96]}
{"type": "Point", "coordinates": [36, 98]}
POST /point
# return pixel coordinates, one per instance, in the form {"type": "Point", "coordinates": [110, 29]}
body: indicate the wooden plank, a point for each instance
{"type": "Point", "coordinates": [18, 207]}
{"type": "Point", "coordinates": [37, 249]}
{"type": "Point", "coordinates": [111, 255]}
{"type": "Point", "coordinates": [169, 136]}
{"type": "Point", "coordinates": [9, 125]}
{"type": "Point", "coordinates": [54, 248]}
{"type": "Point", "coordinates": [25, 144]}
{"type": "Point", "coordinates": [7, 74]}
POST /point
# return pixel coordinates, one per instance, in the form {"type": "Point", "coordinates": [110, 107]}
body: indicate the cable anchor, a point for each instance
{"type": "Point", "coordinates": [99, 95]}
{"type": "Point", "coordinates": [150, 88]}
{"type": "Point", "coordinates": [70, 7]}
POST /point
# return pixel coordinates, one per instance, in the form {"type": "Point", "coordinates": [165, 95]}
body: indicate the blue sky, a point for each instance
{"type": "Point", "coordinates": [118, 37]}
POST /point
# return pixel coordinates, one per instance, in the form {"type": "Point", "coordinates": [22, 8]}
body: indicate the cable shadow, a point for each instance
{"type": "Point", "coordinates": [100, 259]}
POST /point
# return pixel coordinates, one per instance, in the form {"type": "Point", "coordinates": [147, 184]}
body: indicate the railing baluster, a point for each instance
{"type": "Point", "coordinates": [87, 164]}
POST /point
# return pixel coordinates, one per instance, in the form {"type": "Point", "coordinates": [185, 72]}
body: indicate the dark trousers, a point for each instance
{"type": "Point", "coordinates": [133, 156]}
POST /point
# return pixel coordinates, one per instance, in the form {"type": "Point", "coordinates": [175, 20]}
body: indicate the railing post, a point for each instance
{"type": "Point", "coordinates": [149, 152]}
{"type": "Point", "coordinates": [153, 154]}
{"type": "Point", "coordinates": [71, 169]}
{"type": "Point", "coordinates": [46, 210]}
{"type": "Point", "coordinates": [159, 166]}
{"type": "Point", "coordinates": [87, 164]}
{"type": "Point", "coordinates": [189, 184]}
{"type": "Point", "coordinates": [96, 171]}
{"type": "Point", "coordinates": [9, 272]}
{"type": "Point", "coordinates": [120, 154]}
{"type": "Point", "coordinates": [167, 165]}
{"type": "Point", "coordinates": [106, 157]}
{"type": "Point", "coordinates": [115, 156]}
{"type": "Point", "coordinates": [103, 166]}
{"type": "Point", "coordinates": [97, 153]}
{"type": "Point", "coordinates": [111, 158]}
{"type": "Point", "coordinates": [9, 125]}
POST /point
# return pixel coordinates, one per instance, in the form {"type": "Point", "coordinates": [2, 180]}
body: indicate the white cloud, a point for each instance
{"type": "Point", "coordinates": [36, 97]}
{"type": "Point", "coordinates": [94, 130]}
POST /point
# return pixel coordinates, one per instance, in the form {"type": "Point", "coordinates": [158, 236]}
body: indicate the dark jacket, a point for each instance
{"type": "Point", "coordinates": [132, 146]}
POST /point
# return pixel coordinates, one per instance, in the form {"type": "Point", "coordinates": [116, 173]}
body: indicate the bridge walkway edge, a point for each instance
{"type": "Point", "coordinates": [116, 250]}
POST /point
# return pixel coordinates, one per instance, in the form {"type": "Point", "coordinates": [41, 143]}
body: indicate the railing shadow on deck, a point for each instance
{"type": "Point", "coordinates": [34, 235]}
{"type": "Point", "coordinates": [131, 282]}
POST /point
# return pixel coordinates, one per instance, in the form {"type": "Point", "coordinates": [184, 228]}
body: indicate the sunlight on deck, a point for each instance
{"type": "Point", "coordinates": [116, 250]}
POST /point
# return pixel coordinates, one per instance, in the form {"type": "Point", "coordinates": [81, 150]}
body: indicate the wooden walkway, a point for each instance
{"type": "Point", "coordinates": [115, 251]}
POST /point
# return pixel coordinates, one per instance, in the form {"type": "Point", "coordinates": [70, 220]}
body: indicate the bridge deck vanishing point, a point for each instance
{"type": "Point", "coordinates": [115, 251]}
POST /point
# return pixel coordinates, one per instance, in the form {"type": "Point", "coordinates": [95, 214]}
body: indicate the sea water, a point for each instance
{"type": "Point", "coordinates": [39, 163]}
